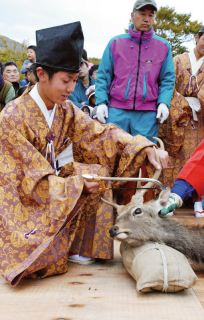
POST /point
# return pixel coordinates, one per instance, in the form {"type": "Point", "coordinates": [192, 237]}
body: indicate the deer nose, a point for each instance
{"type": "Point", "coordinates": [113, 231]}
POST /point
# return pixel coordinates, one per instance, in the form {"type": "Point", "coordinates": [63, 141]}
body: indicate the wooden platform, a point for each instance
{"type": "Point", "coordinates": [99, 292]}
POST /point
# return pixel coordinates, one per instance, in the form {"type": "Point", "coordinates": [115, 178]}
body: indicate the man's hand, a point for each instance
{"type": "Point", "coordinates": [162, 112]}
{"type": "Point", "coordinates": [91, 187]}
{"type": "Point", "coordinates": [101, 113]}
{"type": "Point", "coordinates": [163, 156]}
{"type": "Point", "coordinates": [194, 102]}
{"type": "Point", "coordinates": [174, 202]}
{"type": "Point", "coordinates": [195, 105]}
{"type": "Point", "coordinates": [83, 103]}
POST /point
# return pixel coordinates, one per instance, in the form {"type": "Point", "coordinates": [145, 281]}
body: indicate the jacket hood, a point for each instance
{"type": "Point", "coordinates": [136, 35]}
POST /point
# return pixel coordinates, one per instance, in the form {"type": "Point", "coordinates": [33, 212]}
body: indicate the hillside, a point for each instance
{"type": "Point", "coordinates": [10, 44]}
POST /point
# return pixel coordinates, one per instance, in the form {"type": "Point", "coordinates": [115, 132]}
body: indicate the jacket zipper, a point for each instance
{"type": "Point", "coordinates": [138, 69]}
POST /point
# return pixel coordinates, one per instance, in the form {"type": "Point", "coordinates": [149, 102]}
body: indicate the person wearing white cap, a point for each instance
{"type": "Point", "coordinates": [135, 79]}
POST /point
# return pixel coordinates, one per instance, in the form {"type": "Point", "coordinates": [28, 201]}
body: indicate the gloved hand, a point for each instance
{"type": "Point", "coordinates": [101, 113]}
{"type": "Point", "coordinates": [194, 104]}
{"type": "Point", "coordinates": [193, 101]}
{"type": "Point", "coordinates": [174, 202]}
{"type": "Point", "coordinates": [162, 112]}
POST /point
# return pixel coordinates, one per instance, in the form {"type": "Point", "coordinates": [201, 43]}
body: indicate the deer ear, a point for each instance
{"type": "Point", "coordinates": [164, 197]}
{"type": "Point", "coordinates": [162, 200]}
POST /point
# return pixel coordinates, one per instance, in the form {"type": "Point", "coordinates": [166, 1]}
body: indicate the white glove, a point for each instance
{"type": "Point", "coordinates": [194, 104]}
{"type": "Point", "coordinates": [162, 112]}
{"type": "Point", "coordinates": [101, 113]}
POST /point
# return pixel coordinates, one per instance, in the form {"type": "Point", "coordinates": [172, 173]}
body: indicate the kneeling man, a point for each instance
{"type": "Point", "coordinates": [48, 212]}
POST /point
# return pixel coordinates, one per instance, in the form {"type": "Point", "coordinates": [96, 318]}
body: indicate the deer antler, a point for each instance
{"type": "Point", "coordinates": [139, 182]}
{"type": "Point", "coordinates": [157, 172]}
{"type": "Point", "coordinates": [114, 205]}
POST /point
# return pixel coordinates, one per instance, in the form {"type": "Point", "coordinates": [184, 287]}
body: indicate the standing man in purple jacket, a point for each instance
{"type": "Point", "coordinates": [135, 80]}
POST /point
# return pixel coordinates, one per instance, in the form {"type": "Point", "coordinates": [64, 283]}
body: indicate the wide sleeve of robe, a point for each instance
{"type": "Point", "coordinates": [35, 204]}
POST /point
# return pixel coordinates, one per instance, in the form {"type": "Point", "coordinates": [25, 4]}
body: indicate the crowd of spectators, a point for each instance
{"type": "Point", "coordinates": [10, 85]}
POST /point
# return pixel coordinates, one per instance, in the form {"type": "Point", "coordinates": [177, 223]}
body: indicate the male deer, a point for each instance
{"type": "Point", "coordinates": [138, 223]}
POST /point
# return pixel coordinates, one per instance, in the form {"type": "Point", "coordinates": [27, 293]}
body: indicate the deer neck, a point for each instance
{"type": "Point", "coordinates": [189, 240]}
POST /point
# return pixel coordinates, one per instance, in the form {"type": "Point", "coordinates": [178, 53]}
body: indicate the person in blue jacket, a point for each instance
{"type": "Point", "coordinates": [31, 54]}
{"type": "Point", "coordinates": [135, 79]}
{"type": "Point", "coordinates": [78, 97]}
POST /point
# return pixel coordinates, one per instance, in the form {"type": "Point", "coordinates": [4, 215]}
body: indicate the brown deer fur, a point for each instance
{"type": "Point", "coordinates": [137, 228]}
{"type": "Point", "coordinates": [138, 223]}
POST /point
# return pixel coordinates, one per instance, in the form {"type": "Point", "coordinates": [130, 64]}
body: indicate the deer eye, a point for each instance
{"type": "Point", "coordinates": [137, 211]}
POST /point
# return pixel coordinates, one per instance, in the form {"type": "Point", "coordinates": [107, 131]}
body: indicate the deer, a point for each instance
{"type": "Point", "coordinates": [138, 223]}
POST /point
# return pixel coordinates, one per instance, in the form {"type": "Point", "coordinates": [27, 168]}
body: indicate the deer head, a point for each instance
{"type": "Point", "coordinates": [137, 222]}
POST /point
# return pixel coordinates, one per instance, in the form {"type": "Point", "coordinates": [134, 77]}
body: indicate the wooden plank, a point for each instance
{"type": "Point", "coordinates": [98, 291]}
{"type": "Point", "coordinates": [187, 216]}
{"type": "Point", "coordinates": [199, 287]}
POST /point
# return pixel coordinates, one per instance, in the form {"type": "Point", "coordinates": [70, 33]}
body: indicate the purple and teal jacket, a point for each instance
{"type": "Point", "coordinates": [136, 72]}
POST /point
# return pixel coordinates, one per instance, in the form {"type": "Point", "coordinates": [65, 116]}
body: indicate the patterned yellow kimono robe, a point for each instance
{"type": "Point", "coordinates": [182, 134]}
{"type": "Point", "coordinates": [44, 216]}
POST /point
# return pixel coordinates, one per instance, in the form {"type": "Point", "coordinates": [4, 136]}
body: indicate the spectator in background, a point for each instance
{"type": "Point", "coordinates": [31, 54]}
{"type": "Point", "coordinates": [33, 79]}
{"type": "Point", "coordinates": [11, 73]}
{"type": "Point", "coordinates": [87, 110]}
{"type": "Point", "coordinates": [26, 80]}
{"type": "Point", "coordinates": [7, 92]}
{"type": "Point", "coordinates": [135, 80]}
{"type": "Point", "coordinates": [20, 91]}
{"type": "Point", "coordinates": [78, 97]}
{"type": "Point", "coordinates": [85, 57]}
{"type": "Point", "coordinates": [93, 71]}
{"type": "Point", "coordinates": [90, 93]}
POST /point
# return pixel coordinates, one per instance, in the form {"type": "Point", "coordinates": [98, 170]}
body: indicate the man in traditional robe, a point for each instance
{"type": "Point", "coordinates": [186, 120]}
{"type": "Point", "coordinates": [47, 210]}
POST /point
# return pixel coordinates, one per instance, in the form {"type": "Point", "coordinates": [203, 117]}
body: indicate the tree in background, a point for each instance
{"type": "Point", "coordinates": [95, 60]}
{"type": "Point", "coordinates": [176, 28]}
{"type": "Point", "coordinates": [14, 55]}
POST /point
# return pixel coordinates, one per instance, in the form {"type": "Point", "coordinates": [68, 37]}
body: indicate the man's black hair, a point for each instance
{"type": "Point", "coordinates": [200, 34]}
{"type": "Point", "coordinates": [48, 70]}
{"type": "Point", "coordinates": [93, 68]}
{"type": "Point", "coordinates": [20, 91]}
{"type": "Point", "coordinates": [34, 48]}
{"type": "Point", "coordinates": [84, 55]}
{"type": "Point", "coordinates": [9, 63]}
{"type": "Point", "coordinates": [32, 68]}
{"type": "Point", "coordinates": [1, 67]}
